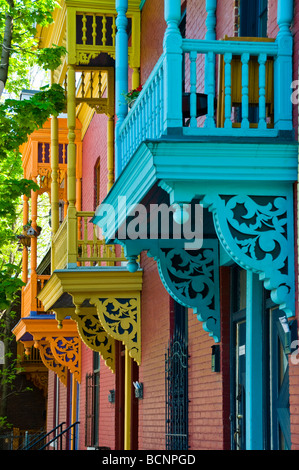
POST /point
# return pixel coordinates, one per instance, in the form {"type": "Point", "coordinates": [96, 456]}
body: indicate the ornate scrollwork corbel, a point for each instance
{"type": "Point", "coordinates": [192, 279]}
{"type": "Point", "coordinates": [67, 351]}
{"type": "Point", "coordinates": [50, 361]}
{"type": "Point", "coordinates": [257, 232]}
{"type": "Point", "coordinates": [120, 317]}
{"type": "Point", "coordinates": [95, 337]}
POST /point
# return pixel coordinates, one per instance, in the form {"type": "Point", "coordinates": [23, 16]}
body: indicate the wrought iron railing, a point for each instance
{"type": "Point", "coordinates": [176, 394]}
{"type": "Point", "coordinates": [63, 439]}
{"type": "Point", "coordinates": [41, 439]}
{"type": "Point", "coordinates": [70, 442]}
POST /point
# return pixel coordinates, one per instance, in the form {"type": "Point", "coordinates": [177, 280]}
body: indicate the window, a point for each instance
{"type": "Point", "coordinates": [97, 175]}
{"type": "Point", "coordinates": [253, 18]}
{"type": "Point", "coordinates": [176, 383]}
{"type": "Point", "coordinates": [92, 404]}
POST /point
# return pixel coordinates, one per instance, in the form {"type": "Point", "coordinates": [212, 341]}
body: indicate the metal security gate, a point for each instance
{"type": "Point", "coordinates": [176, 394]}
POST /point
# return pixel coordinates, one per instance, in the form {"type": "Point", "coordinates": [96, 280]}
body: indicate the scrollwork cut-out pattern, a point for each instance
{"type": "Point", "coordinates": [96, 338]}
{"type": "Point", "coordinates": [192, 279]}
{"type": "Point", "coordinates": [67, 351]}
{"type": "Point", "coordinates": [120, 317]}
{"type": "Point", "coordinates": [50, 361]}
{"type": "Point", "coordinates": [257, 232]}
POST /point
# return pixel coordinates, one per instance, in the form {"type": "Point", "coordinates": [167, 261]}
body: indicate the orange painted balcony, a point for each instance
{"type": "Point", "coordinates": [30, 303]}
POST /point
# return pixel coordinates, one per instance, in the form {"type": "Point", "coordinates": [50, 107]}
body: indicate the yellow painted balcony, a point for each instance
{"type": "Point", "coordinates": [88, 250]}
{"type": "Point", "coordinates": [91, 285]}
{"type": "Point", "coordinates": [88, 29]}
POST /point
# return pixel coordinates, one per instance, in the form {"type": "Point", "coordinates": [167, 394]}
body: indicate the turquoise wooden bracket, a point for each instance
{"type": "Point", "coordinates": [192, 279]}
{"type": "Point", "coordinates": [258, 234]}
{"type": "Point", "coordinates": [190, 276]}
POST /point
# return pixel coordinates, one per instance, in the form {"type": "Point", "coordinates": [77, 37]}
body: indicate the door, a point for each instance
{"type": "Point", "coordinates": [274, 376]}
{"type": "Point", "coordinates": [238, 421]}
{"type": "Point", "coordinates": [280, 437]}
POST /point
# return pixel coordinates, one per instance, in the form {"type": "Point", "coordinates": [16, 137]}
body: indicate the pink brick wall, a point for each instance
{"type": "Point", "coordinates": [154, 338]}
{"type": "Point", "coordinates": [208, 392]}
{"type": "Point", "coordinates": [152, 30]}
{"type": "Point", "coordinates": [107, 410]}
{"type": "Point", "coordinates": [205, 391]}
{"type": "Point", "coordinates": [50, 404]}
{"type": "Point", "coordinates": [94, 149]}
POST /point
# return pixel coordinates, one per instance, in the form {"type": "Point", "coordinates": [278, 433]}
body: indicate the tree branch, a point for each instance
{"type": "Point", "coordinates": [5, 52]}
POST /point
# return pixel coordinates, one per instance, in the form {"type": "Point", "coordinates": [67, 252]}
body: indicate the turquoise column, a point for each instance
{"type": "Point", "coordinates": [172, 66]}
{"type": "Point", "coordinates": [121, 75]}
{"type": "Point", "coordinates": [254, 363]}
{"type": "Point", "coordinates": [211, 6]}
{"type": "Point", "coordinates": [283, 67]}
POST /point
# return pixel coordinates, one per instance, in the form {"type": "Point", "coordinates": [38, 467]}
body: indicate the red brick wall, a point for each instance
{"type": "Point", "coordinates": [59, 403]}
{"type": "Point", "coordinates": [86, 368]}
{"type": "Point", "coordinates": [154, 339]}
{"type": "Point", "coordinates": [294, 368]}
{"type": "Point", "coordinates": [50, 402]}
{"type": "Point", "coordinates": [205, 391]}
{"type": "Point", "coordinates": [225, 19]}
{"type": "Point", "coordinates": [107, 410]}
{"type": "Point", "coordinates": [94, 148]}
{"type": "Point", "coordinates": [152, 31]}
{"type": "Point", "coordinates": [107, 429]}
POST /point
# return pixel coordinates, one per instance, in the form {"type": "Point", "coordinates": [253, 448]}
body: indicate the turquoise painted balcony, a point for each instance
{"type": "Point", "coordinates": [232, 88]}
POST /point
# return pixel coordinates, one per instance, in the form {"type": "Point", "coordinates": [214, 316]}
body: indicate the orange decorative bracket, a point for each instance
{"type": "Point", "coordinates": [60, 354]}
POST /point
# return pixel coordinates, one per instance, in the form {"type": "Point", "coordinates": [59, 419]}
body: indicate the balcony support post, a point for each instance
{"type": "Point", "coordinates": [25, 250]}
{"type": "Point", "coordinates": [33, 276]}
{"type": "Point", "coordinates": [110, 152]}
{"type": "Point", "coordinates": [121, 75]}
{"type": "Point", "coordinates": [71, 171]}
{"type": "Point", "coordinates": [211, 6]}
{"type": "Point", "coordinates": [283, 69]}
{"type": "Point", "coordinates": [128, 391]}
{"type": "Point", "coordinates": [54, 175]}
{"type": "Point", "coordinates": [172, 47]}
{"type": "Point", "coordinates": [254, 369]}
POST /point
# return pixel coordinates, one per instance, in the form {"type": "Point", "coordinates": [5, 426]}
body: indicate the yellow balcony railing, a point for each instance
{"type": "Point", "coordinates": [59, 247]}
{"type": "Point", "coordinates": [90, 250]}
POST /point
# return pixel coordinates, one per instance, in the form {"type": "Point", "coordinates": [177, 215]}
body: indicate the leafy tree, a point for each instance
{"type": "Point", "coordinates": [19, 42]}
{"type": "Point", "coordinates": [19, 118]}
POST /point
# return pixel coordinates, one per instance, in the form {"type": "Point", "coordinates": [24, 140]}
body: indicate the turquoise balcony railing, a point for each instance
{"type": "Point", "coordinates": [231, 88]}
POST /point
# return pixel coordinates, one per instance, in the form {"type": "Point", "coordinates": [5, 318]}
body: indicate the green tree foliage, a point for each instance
{"type": "Point", "coordinates": [19, 52]}
{"type": "Point", "coordinates": [19, 41]}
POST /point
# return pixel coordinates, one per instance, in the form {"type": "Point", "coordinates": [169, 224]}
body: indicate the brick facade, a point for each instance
{"type": "Point", "coordinates": [209, 392]}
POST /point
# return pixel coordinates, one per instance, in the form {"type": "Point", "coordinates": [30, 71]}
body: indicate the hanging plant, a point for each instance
{"type": "Point", "coordinates": [132, 95]}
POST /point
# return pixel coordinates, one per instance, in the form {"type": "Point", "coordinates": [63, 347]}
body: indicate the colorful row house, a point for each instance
{"type": "Point", "coordinates": [167, 318]}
